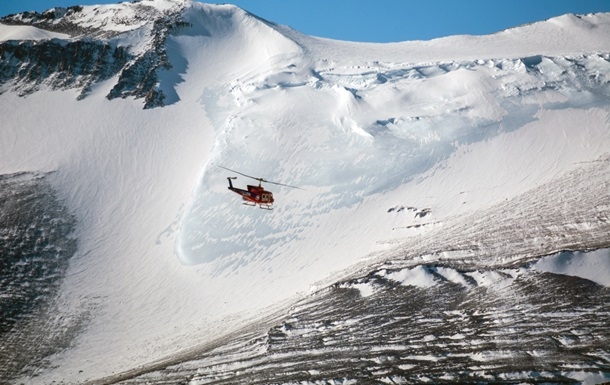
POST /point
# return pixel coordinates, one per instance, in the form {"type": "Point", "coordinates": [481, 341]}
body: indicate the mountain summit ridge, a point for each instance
{"type": "Point", "coordinates": [129, 40]}
{"type": "Point", "coordinates": [98, 21]}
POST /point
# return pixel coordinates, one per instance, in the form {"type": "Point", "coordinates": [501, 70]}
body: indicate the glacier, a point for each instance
{"type": "Point", "coordinates": [453, 223]}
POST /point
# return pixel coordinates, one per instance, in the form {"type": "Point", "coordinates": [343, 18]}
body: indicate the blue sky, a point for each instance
{"type": "Point", "coordinates": [381, 20]}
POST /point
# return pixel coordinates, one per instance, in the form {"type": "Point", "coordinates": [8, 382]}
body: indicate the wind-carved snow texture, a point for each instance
{"type": "Point", "coordinates": [27, 66]}
{"type": "Point", "coordinates": [503, 326]}
{"type": "Point", "coordinates": [536, 223]}
{"type": "Point", "coordinates": [356, 149]}
{"type": "Point", "coordinates": [451, 326]}
{"type": "Point", "coordinates": [36, 244]}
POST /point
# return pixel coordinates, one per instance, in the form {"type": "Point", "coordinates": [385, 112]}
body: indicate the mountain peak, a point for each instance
{"type": "Point", "coordinates": [99, 21]}
{"type": "Point", "coordinates": [127, 40]}
{"type": "Point", "coordinates": [95, 43]}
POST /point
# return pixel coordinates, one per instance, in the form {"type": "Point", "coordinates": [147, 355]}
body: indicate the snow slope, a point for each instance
{"type": "Point", "coordinates": [27, 33]}
{"type": "Point", "coordinates": [387, 142]}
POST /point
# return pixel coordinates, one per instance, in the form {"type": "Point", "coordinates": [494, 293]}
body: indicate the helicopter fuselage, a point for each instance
{"type": "Point", "coordinates": [254, 195]}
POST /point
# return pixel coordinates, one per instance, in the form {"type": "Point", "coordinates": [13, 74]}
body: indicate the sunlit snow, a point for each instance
{"type": "Point", "coordinates": [387, 142]}
{"type": "Point", "coordinates": [23, 32]}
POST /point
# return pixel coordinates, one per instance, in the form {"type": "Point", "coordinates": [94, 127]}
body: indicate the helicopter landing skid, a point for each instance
{"type": "Point", "coordinates": [261, 205]}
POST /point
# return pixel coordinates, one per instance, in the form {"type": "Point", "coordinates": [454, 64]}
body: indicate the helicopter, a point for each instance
{"type": "Point", "coordinates": [255, 195]}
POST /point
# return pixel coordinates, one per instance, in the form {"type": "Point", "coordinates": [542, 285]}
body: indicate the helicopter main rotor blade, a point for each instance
{"type": "Point", "coordinates": [282, 184]}
{"type": "Point", "coordinates": [249, 176]}
{"type": "Point", "coordinates": [261, 179]}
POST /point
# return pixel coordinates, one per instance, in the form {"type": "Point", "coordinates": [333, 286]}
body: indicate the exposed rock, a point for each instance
{"type": "Point", "coordinates": [90, 56]}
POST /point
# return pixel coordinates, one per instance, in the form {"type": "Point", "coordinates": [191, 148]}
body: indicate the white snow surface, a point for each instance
{"type": "Point", "coordinates": [168, 258]}
{"type": "Point", "coordinates": [593, 265]}
{"type": "Point", "coordinates": [27, 32]}
{"type": "Point", "coordinates": [590, 265]}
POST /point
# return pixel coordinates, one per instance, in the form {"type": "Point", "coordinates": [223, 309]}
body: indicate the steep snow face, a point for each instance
{"type": "Point", "coordinates": [118, 169]}
{"type": "Point", "coordinates": [385, 127]}
{"type": "Point", "coordinates": [390, 143]}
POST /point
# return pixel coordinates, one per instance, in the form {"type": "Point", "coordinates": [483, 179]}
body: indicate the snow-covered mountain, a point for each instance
{"type": "Point", "coordinates": [452, 222]}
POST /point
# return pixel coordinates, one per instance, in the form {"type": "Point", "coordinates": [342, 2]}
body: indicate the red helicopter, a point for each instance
{"type": "Point", "coordinates": [255, 195]}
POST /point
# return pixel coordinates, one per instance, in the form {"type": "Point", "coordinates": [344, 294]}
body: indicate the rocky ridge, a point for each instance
{"type": "Point", "coordinates": [95, 51]}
